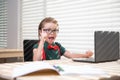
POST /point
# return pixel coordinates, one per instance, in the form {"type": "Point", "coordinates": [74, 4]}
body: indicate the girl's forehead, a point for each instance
{"type": "Point", "coordinates": [50, 25]}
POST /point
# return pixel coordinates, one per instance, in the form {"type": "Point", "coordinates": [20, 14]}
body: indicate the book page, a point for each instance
{"type": "Point", "coordinates": [31, 67]}
{"type": "Point", "coordinates": [82, 70]}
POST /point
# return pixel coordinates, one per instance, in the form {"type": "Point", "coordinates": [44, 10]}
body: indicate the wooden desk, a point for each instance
{"type": "Point", "coordinates": [8, 53]}
{"type": "Point", "coordinates": [112, 68]}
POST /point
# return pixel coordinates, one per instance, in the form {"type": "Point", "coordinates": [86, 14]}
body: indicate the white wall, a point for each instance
{"type": "Point", "coordinates": [13, 21]}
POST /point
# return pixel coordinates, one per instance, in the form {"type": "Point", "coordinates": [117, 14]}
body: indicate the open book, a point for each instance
{"type": "Point", "coordinates": [36, 68]}
{"type": "Point", "coordinates": [13, 70]}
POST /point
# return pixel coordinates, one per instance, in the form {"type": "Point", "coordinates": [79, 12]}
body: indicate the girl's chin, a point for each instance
{"type": "Point", "coordinates": [50, 42]}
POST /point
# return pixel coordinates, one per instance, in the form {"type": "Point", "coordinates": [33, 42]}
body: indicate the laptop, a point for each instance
{"type": "Point", "coordinates": [106, 47]}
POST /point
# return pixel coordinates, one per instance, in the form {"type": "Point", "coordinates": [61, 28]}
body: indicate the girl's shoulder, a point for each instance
{"type": "Point", "coordinates": [58, 44]}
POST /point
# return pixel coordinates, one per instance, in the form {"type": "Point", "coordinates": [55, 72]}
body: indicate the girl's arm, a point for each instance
{"type": "Point", "coordinates": [76, 55]}
{"type": "Point", "coordinates": [37, 52]}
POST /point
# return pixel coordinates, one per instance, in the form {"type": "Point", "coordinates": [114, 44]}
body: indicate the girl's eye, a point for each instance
{"type": "Point", "coordinates": [46, 29]}
{"type": "Point", "coordinates": [49, 30]}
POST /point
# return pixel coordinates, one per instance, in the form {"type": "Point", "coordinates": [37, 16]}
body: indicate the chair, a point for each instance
{"type": "Point", "coordinates": [28, 49]}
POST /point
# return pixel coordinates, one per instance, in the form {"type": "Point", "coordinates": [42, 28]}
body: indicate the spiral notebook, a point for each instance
{"type": "Point", "coordinates": [106, 47]}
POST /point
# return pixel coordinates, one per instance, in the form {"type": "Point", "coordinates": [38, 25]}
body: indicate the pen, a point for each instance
{"type": "Point", "coordinates": [58, 68]}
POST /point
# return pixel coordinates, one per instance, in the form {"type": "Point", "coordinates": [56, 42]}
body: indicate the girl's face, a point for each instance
{"type": "Point", "coordinates": [50, 31]}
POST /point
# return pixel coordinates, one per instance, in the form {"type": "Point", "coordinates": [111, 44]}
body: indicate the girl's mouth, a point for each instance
{"type": "Point", "coordinates": [51, 38]}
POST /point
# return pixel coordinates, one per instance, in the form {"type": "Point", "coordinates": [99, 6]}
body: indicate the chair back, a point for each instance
{"type": "Point", "coordinates": [28, 49]}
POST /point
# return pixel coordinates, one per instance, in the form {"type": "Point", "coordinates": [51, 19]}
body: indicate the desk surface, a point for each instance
{"type": "Point", "coordinates": [8, 53]}
{"type": "Point", "coordinates": [112, 68]}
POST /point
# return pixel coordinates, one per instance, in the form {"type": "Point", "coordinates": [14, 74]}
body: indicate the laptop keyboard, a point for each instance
{"type": "Point", "coordinates": [84, 59]}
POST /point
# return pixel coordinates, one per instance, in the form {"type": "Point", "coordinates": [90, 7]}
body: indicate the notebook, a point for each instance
{"type": "Point", "coordinates": [106, 47]}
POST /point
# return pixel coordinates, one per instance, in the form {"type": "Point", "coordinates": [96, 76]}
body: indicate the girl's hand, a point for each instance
{"type": "Point", "coordinates": [89, 54]}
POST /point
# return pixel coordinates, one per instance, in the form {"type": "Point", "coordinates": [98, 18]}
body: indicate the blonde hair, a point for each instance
{"type": "Point", "coordinates": [44, 21]}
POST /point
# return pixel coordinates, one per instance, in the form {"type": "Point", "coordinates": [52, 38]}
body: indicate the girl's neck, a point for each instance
{"type": "Point", "coordinates": [49, 43]}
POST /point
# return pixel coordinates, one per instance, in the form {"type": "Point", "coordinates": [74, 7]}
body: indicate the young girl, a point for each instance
{"type": "Point", "coordinates": [46, 48]}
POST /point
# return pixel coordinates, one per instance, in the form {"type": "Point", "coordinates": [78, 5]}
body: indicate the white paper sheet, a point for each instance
{"type": "Point", "coordinates": [82, 71]}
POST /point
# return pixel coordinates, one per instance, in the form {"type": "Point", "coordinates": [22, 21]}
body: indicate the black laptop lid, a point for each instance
{"type": "Point", "coordinates": [106, 46]}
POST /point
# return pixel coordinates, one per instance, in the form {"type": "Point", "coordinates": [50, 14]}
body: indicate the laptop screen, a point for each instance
{"type": "Point", "coordinates": [106, 45]}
